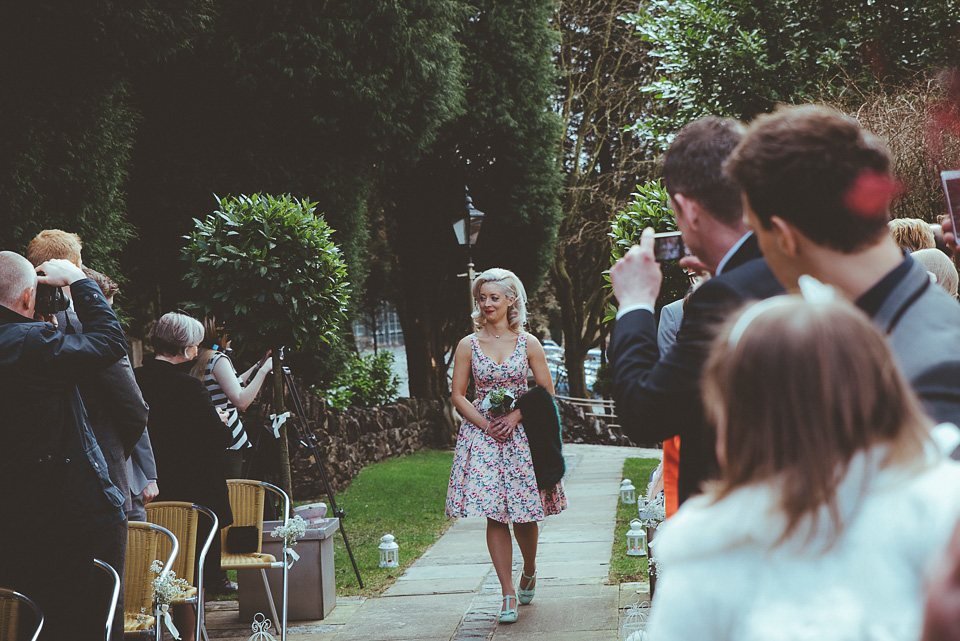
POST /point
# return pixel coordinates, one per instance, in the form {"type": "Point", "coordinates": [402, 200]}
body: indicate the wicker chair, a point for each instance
{"type": "Point", "coordinates": [11, 605]}
{"type": "Point", "coordinates": [246, 502]}
{"type": "Point", "coordinates": [114, 579]}
{"type": "Point", "coordinates": [143, 548]}
{"type": "Point", "coordinates": [183, 519]}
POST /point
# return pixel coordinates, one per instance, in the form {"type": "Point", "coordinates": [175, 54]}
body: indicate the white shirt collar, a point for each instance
{"type": "Point", "coordinates": [733, 250]}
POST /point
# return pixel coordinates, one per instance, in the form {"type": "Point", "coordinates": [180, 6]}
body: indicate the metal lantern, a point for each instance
{"type": "Point", "coordinates": [634, 627]}
{"type": "Point", "coordinates": [637, 539]}
{"type": "Point", "coordinates": [628, 493]}
{"type": "Point", "coordinates": [389, 552]}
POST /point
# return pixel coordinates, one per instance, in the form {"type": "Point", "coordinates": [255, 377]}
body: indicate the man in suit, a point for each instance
{"type": "Point", "coordinates": [115, 407]}
{"type": "Point", "coordinates": [659, 398]}
{"type": "Point", "coordinates": [817, 191]}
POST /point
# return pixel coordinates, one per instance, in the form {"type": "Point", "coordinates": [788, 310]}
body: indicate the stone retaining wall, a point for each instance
{"type": "Point", "coordinates": [350, 439]}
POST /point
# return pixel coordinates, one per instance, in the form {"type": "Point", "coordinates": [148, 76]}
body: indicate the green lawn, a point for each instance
{"type": "Point", "coordinates": [403, 496]}
{"type": "Point", "coordinates": [623, 568]}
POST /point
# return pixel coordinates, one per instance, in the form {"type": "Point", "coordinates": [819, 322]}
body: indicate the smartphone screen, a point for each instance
{"type": "Point", "coordinates": [951, 187]}
{"type": "Point", "coordinates": [668, 245]}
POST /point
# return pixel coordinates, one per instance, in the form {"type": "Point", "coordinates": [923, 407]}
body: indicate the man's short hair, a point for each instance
{"type": "Point", "coordinates": [818, 170]}
{"type": "Point", "coordinates": [104, 282]}
{"type": "Point", "coordinates": [54, 243]}
{"type": "Point", "coordinates": [16, 275]}
{"type": "Point", "coordinates": [693, 166]}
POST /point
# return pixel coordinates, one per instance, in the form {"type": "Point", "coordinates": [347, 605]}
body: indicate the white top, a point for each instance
{"type": "Point", "coordinates": [722, 577]}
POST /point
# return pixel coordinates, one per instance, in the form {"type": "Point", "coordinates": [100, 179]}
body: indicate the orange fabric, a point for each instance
{"type": "Point", "coordinates": [671, 469]}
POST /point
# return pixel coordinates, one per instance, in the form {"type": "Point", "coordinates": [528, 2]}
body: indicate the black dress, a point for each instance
{"type": "Point", "coordinates": [187, 435]}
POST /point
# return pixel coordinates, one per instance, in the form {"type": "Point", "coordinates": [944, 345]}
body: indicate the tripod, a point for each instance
{"type": "Point", "coordinates": [308, 439]}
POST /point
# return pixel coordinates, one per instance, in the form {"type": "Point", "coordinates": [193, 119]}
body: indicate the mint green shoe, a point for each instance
{"type": "Point", "coordinates": [508, 614]}
{"type": "Point", "coordinates": [526, 596]}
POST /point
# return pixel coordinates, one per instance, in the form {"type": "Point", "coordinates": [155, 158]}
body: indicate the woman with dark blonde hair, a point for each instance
{"type": "Point", "coordinates": [833, 498]}
{"type": "Point", "coordinates": [492, 474]}
{"type": "Point", "coordinates": [229, 391]}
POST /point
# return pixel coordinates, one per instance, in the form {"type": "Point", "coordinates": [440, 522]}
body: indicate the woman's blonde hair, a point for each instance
{"type": "Point", "coordinates": [795, 390]}
{"type": "Point", "coordinates": [912, 234]}
{"type": "Point", "coordinates": [213, 337]}
{"type": "Point", "coordinates": [510, 285]}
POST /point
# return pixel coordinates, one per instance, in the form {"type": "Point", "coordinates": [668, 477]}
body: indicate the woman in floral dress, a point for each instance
{"type": "Point", "coordinates": [492, 473]}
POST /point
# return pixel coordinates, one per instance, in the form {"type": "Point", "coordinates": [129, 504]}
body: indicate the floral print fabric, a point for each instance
{"type": "Point", "coordinates": [492, 479]}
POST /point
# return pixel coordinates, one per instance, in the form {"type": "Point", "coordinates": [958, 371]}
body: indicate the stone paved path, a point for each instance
{"type": "Point", "coordinates": [452, 592]}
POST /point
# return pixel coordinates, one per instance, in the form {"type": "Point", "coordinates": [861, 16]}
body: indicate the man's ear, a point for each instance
{"type": "Point", "coordinates": [788, 238]}
{"type": "Point", "coordinates": [688, 209]}
{"type": "Point", "coordinates": [25, 301]}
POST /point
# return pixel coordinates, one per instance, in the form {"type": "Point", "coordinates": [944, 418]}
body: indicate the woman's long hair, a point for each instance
{"type": "Point", "coordinates": [510, 285]}
{"type": "Point", "coordinates": [795, 390]}
{"type": "Point", "coordinates": [213, 336]}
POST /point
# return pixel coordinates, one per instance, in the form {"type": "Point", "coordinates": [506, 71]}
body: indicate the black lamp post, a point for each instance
{"type": "Point", "coordinates": [467, 229]}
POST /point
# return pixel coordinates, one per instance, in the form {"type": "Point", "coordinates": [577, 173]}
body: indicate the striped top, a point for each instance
{"type": "Point", "coordinates": [238, 436]}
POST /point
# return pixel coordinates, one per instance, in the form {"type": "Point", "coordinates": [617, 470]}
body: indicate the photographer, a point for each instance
{"type": "Point", "coordinates": [54, 477]}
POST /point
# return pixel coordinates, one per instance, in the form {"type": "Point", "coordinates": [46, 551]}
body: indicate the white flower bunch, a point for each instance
{"type": "Point", "coordinates": [293, 530]}
{"type": "Point", "coordinates": [653, 512]}
{"type": "Point", "coordinates": [167, 587]}
{"type": "Point", "coordinates": [498, 402]}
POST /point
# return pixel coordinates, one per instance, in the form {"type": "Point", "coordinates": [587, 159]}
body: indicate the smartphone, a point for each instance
{"type": "Point", "coordinates": [951, 187]}
{"type": "Point", "coordinates": [668, 245]}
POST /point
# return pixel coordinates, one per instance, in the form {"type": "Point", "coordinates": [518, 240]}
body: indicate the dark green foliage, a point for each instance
{"type": "Point", "coordinates": [313, 99]}
{"type": "Point", "coordinates": [742, 57]}
{"type": "Point", "coordinates": [648, 208]}
{"type": "Point", "coordinates": [504, 147]}
{"type": "Point", "coordinates": [268, 269]}
{"type": "Point", "coordinates": [68, 126]}
{"type": "Point", "coordinates": [63, 166]}
{"type": "Point", "coordinates": [366, 381]}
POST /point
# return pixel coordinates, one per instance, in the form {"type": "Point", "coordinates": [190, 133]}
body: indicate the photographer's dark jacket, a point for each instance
{"type": "Point", "coordinates": [48, 453]}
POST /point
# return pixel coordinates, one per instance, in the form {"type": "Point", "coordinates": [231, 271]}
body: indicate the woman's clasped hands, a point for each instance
{"type": "Point", "coordinates": [501, 428]}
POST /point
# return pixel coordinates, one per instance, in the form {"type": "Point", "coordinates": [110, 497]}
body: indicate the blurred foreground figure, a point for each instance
{"type": "Point", "coordinates": [833, 499]}
{"type": "Point", "coordinates": [816, 191]}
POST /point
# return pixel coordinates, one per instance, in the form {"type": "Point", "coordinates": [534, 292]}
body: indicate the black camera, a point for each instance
{"type": "Point", "coordinates": [50, 299]}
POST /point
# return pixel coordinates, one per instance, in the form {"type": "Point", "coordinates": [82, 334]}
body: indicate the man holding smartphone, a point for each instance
{"type": "Point", "coordinates": [659, 398]}
{"type": "Point", "coordinates": [817, 191]}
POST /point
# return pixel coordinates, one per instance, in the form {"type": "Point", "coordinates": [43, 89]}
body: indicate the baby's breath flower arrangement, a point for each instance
{"type": "Point", "coordinates": [166, 589]}
{"type": "Point", "coordinates": [291, 531]}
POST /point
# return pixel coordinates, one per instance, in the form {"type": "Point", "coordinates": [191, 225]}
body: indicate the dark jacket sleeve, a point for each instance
{"type": "Point", "coordinates": [660, 398]}
{"type": "Point", "coordinates": [123, 401]}
{"type": "Point", "coordinates": [75, 356]}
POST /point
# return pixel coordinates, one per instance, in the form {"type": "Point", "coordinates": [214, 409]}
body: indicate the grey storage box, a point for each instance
{"type": "Point", "coordinates": [312, 590]}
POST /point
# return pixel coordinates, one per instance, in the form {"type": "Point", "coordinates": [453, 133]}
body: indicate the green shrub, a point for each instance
{"type": "Point", "coordinates": [366, 381]}
{"type": "Point", "coordinates": [648, 208]}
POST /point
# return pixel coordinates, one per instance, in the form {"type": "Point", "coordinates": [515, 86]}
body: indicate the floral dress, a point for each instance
{"type": "Point", "coordinates": [492, 479]}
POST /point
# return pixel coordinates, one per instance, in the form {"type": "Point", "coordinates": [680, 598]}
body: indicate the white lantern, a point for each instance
{"type": "Point", "coordinates": [637, 539]}
{"type": "Point", "coordinates": [389, 552]}
{"type": "Point", "coordinates": [628, 493]}
{"type": "Point", "coordinates": [634, 627]}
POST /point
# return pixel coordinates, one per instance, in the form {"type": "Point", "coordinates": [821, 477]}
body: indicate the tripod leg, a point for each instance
{"type": "Point", "coordinates": [306, 437]}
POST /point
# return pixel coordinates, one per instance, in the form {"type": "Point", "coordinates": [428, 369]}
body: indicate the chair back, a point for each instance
{"type": "Point", "coordinates": [246, 503]}
{"type": "Point", "coordinates": [182, 519]}
{"type": "Point", "coordinates": [11, 603]}
{"type": "Point", "coordinates": [114, 580]}
{"type": "Point", "coordinates": [143, 548]}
